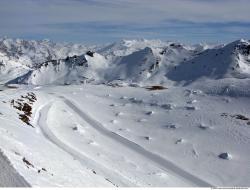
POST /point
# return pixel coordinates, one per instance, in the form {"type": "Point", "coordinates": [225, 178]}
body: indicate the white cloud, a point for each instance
{"type": "Point", "coordinates": [137, 11]}
{"type": "Point", "coordinates": [24, 17]}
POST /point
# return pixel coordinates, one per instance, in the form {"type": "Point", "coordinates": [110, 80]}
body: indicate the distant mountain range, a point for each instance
{"type": "Point", "coordinates": [128, 61]}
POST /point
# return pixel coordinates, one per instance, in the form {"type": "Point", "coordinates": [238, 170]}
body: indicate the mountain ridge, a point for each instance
{"type": "Point", "coordinates": [132, 61]}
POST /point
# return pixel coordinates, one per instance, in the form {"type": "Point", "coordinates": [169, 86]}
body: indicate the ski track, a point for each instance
{"type": "Point", "coordinates": [9, 176]}
{"type": "Point", "coordinates": [113, 177]}
{"type": "Point", "coordinates": [156, 159]}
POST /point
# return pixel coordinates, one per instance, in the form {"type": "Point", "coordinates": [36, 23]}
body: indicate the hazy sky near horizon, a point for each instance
{"type": "Point", "coordinates": [100, 21]}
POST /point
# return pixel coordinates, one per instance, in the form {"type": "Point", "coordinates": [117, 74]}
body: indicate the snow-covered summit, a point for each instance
{"type": "Point", "coordinates": [231, 60]}
{"type": "Point", "coordinates": [139, 61]}
{"type": "Point", "coordinates": [126, 47]}
{"type": "Point", "coordinates": [32, 52]}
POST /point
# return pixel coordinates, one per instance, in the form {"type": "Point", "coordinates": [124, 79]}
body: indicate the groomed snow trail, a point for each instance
{"type": "Point", "coordinates": [113, 177]}
{"type": "Point", "coordinates": [155, 159]}
{"type": "Point", "coordinates": [8, 175]}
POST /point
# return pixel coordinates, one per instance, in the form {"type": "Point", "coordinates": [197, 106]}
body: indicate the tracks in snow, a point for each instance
{"type": "Point", "coordinates": [116, 178]}
{"type": "Point", "coordinates": [153, 158]}
{"type": "Point", "coordinates": [156, 159]}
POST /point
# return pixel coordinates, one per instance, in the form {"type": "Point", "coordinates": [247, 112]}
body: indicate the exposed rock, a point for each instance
{"type": "Point", "coordinates": [225, 156]}
{"type": "Point", "coordinates": [90, 53]}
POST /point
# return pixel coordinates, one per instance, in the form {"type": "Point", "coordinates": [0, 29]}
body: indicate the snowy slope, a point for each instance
{"type": "Point", "coordinates": [135, 67]}
{"type": "Point", "coordinates": [134, 113]}
{"type": "Point", "coordinates": [76, 69]}
{"type": "Point", "coordinates": [18, 56]}
{"type": "Point", "coordinates": [171, 137]}
{"type": "Point", "coordinates": [230, 61]}
{"type": "Point", "coordinates": [9, 177]}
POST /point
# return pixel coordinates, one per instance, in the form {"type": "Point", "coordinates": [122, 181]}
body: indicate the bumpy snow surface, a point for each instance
{"type": "Point", "coordinates": [132, 113]}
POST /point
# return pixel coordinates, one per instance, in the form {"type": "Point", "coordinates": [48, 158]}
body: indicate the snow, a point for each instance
{"type": "Point", "coordinates": [9, 176]}
{"type": "Point", "coordinates": [136, 113]}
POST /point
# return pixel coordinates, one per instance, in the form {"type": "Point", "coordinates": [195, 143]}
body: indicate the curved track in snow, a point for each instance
{"type": "Point", "coordinates": [116, 178]}
{"type": "Point", "coordinates": [111, 176]}
{"type": "Point", "coordinates": [8, 175]}
{"type": "Point", "coordinates": [156, 159]}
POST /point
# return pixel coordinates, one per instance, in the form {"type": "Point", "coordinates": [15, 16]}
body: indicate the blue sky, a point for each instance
{"type": "Point", "coordinates": [101, 21]}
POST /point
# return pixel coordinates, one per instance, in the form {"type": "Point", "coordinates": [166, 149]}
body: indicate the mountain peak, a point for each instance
{"type": "Point", "coordinates": [137, 60]}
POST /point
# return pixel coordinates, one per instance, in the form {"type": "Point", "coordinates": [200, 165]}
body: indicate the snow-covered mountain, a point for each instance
{"type": "Point", "coordinates": [136, 61]}
{"type": "Point", "coordinates": [75, 69]}
{"type": "Point", "coordinates": [132, 113]}
{"type": "Point", "coordinates": [231, 60]}
{"type": "Point", "coordinates": [18, 57]}
{"type": "Point", "coordinates": [34, 52]}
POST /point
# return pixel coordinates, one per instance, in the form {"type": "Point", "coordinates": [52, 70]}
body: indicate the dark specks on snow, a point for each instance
{"type": "Point", "coordinates": [136, 101]}
{"type": "Point", "coordinates": [171, 126]}
{"type": "Point", "coordinates": [167, 106]}
{"type": "Point", "coordinates": [118, 114]}
{"type": "Point", "coordinates": [204, 127]}
{"type": "Point", "coordinates": [227, 100]}
{"type": "Point", "coordinates": [90, 53]}
{"type": "Point", "coordinates": [113, 121]}
{"type": "Point", "coordinates": [191, 101]}
{"type": "Point", "coordinates": [149, 113]}
{"type": "Point", "coordinates": [147, 138]}
{"type": "Point", "coordinates": [191, 108]}
{"type": "Point", "coordinates": [225, 156]}
{"type": "Point", "coordinates": [74, 128]}
{"type": "Point", "coordinates": [179, 141]}
{"type": "Point", "coordinates": [123, 97]}
{"type": "Point", "coordinates": [156, 88]}
{"type": "Point", "coordinates": [241, 117]}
